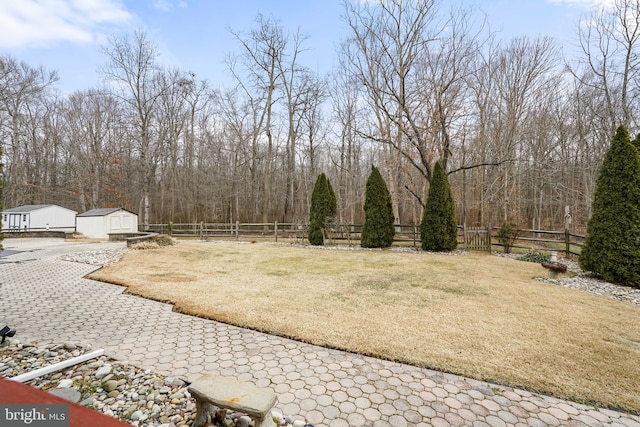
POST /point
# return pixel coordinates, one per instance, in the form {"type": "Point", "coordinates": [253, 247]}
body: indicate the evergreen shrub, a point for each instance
{"type": "Point", "coordinates": [612, 245]}
{"type": "Point", "coordinates": [323, 209]}
{"type": "Point", "coordinates": [378, 230]}
{"type": "Point", "coordinates": [439, 229]}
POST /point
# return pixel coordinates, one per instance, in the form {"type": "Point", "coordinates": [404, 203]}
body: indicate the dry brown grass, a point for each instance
{"type": "Point", "coordinates": [476, 315]}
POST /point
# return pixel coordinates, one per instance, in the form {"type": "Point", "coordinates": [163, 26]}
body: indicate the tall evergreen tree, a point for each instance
{"type": "Point", "coordinates": [612, 246]}
{"type": "Point", "coordinates": [378, 230]}
{"type": "Point", "coordinates": [323, 209]}
{"type": "Point", "coordinates": [439, 229]}
{"type": "Point", "coordinates": [636, 142]}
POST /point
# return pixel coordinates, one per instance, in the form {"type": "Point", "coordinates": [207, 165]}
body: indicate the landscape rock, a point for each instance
{"type": "Point", "coordinates": [66, 383]}
{"type": "Point", "coordinates": [110, 385]}
{"type": "Point", "coordinates": [70, 394]}
{"type": "Point", "coordinates": [103, 371]}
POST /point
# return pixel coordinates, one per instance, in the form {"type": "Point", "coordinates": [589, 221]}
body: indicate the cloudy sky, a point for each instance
{"type": "Point", "coordinates": [66, 35]}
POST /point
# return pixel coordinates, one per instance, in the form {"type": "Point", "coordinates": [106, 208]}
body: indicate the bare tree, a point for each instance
{"type": "Point", "coordinates": [388, 40]}
{"type": "Point", "coordinates": [237, 127]}
{"type": "Point", "coordinates": [132, 69]}
{"type": "Point", "coordinates": [442, 78]}
{"type": "Point", "coordinates": [22, 88]}
{"type": "Point", "coordinates": [413, 62]}
{"type": "Point", "coordinates": [482, 95]}
{"type": "Point", "coordinates": [93, 127]}
{"type": "Point", "coordinates": [345, 93]}
{"type": "Point", "coordinates": [523, 80]}
{"type": "Point", "coordinates": [311, 127]}
{"type": "Point", "coordinates": [198, 97]}
{"type": "Point", "coordinates": [263, 51]}
{"type": "Point", "coordinates": [296, 82]}
{"type": "Point", "coordinates": [608, 40]}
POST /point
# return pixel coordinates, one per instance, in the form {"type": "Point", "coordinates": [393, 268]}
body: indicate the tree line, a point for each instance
{"type": "Point", "coordinates": [519, 131]}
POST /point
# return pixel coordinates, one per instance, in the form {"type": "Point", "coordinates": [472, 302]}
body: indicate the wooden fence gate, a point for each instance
{"type": "Point", "coordinates": [477, 238]}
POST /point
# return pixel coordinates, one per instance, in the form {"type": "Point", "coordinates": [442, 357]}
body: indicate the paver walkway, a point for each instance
{"type": "Point", "coordinates": [47, 300]}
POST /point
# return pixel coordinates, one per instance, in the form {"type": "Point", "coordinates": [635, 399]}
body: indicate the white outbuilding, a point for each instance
{"type": "Point", "coordinates": [99, 223]}
{"type": "Point", "coordinates": [38, 218]}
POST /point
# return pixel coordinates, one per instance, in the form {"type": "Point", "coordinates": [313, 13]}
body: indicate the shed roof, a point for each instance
{"type": "Point", "coordinates": [31, 208]}
{"type": "Point", "coordinates": [103, 212]}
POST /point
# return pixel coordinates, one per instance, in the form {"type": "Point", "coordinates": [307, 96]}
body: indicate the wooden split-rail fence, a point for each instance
{"type": "Point", "coordinates": [471, 238]}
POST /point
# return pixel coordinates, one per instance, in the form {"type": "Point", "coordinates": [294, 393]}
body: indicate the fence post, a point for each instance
{"type": "Point", "coordinates": [415, 233]}
{"type": "Point", "coordinates": [201, 230]}
{"type": "Point", "coordinates": [567, 236]}
{"type": "Point", "coordinates": [489, 238]}
{"type": "Point", "coordinates": [237, 229]}
{"type": "Point", "coordinates": [275, 230]}
{"type": "Point", "coordinates": [464, 236]}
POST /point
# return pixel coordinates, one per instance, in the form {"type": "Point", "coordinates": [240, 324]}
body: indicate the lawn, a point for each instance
{"type": "Point", "coordinates": [476, 314]}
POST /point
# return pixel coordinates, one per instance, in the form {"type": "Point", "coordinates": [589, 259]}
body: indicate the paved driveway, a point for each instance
{"type": "Point", "coordinates": [47, 300]}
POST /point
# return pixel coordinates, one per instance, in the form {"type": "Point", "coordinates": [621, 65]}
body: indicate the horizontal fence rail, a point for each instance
{"type": "Point", "coordinates": [560, 241]}
{"type": "Point", "coordinates": [472, 238]}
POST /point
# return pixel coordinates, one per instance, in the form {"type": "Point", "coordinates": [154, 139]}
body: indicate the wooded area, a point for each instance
{"type": "Point", "coordinates": [520, 130]}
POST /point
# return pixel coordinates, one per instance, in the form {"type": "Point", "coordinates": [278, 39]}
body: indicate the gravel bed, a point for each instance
{"type": "Point", "coordinates": [137, 396]}
{"type": "Point", "coordinates": [599, 287]}
{"type": "Point", "coordinates": [586, 282]}
{"type": "Point", "coordinates": [100, 257]}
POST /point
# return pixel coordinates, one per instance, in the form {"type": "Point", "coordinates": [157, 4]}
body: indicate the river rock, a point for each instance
{"type": "Point", "coordinates": [103, 371]}
{"type": "Point", "coordinates": [70, 394]}
{"type": "Point", "coordinates": [66, 383]}
{"type": "Point", "coordinates": [110, 385]}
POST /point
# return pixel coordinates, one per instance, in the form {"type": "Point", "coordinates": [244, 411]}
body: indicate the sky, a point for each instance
{"type": "Point", "coordinates": [67, 35]}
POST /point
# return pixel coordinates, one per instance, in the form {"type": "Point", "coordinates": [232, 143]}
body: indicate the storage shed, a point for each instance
{"type": "Point", "coordinates": [38, 218]}
{"type": "Point", "coordinates": [99, 223]}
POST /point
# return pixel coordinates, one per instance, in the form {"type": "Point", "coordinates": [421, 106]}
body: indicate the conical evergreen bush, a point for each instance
{"type": "Point", "coordinates": [323, 208]}
{"type": "Point", "coordinates": [378, 230]}
{"type": "Point", "coordinates": [439, 229]}
{"type": "Point", "coordinates": [612, 246]}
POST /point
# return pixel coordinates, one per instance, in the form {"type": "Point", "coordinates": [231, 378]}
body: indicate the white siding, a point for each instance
{"type": "Point", "coordinates": [122, 222]}
{"type": "Point", "coordinates": [100, 226]}
{"type": "Point", "coordinates": [91, 226]}
{"type": "Point", "coordinates": [53, 217]}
